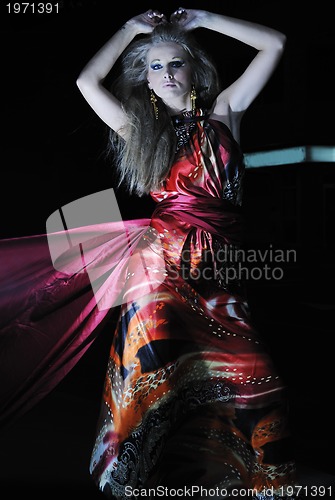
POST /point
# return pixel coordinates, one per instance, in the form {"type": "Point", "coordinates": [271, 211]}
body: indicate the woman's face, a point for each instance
{"type": "Point", "coordinates": [169, 74]}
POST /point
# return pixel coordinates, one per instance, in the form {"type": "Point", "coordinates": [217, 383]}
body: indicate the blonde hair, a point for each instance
{"type": "Point", "coordinates": [144, 160]}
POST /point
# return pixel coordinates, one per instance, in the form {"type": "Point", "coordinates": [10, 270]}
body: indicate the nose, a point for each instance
{"type": "Point", "coordinates": [168, 76]}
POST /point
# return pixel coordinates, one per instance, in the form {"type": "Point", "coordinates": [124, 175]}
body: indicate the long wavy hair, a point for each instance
{"type": "Point", "coordinates": [144, 159]}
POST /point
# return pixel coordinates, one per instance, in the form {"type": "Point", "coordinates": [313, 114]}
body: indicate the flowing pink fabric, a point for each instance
{"type": "Point", "coordinates": [49, 317]}
{"type": "Point", "coordinates": [49, 313]}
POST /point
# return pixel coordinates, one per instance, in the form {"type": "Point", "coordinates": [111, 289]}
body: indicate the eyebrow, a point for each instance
{"type": "Point", "coordinates": [158, 60]}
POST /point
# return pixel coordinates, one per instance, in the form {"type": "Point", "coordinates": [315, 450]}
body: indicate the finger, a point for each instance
{"type": "Point", "coordinates": [180, 11]}
{"type": "Point", "coordinates": [178, 14]}
{"type": "Point", "coordinates": [155, 15]}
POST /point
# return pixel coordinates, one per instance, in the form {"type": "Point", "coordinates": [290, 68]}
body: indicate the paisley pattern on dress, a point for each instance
{"type": "Point", "coordinates": [191, 396]}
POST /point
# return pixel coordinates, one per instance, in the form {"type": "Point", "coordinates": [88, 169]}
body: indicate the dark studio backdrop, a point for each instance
{"type": "Point", "coordinates": [52, 153]}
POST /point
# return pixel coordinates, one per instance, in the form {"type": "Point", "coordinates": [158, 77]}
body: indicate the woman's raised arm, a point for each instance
{"type": "Point", "coordinates": [269, 44]}
{"type": "Point", "coordinates": [91, 78]}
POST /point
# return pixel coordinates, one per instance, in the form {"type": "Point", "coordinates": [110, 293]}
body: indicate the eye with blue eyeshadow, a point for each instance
{"type": "Point", "coordinates": [177, 64]}
{"type": "Point", "coordinates": [173, 64]}
{"type": "Point", "coordinates": [156, 66]}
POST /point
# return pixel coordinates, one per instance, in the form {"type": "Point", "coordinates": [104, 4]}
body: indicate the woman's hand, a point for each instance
{"type": "Point", "coordinates": [147, 21]}
{"type": "Point", "coordinates": [188, 19]}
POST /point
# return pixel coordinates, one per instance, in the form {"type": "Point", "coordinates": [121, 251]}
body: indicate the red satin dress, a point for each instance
{"type": "Point", "coordinates": [191, 397]}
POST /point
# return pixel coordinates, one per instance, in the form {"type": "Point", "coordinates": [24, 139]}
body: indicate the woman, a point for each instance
{"type": "Point", "coordinates": [191, 398]}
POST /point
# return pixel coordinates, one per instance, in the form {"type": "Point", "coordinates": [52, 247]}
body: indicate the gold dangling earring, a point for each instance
{"type": "Point", "coordinates": [193, 99]}
{"type": "Point", "coordinates": [153, 100]}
